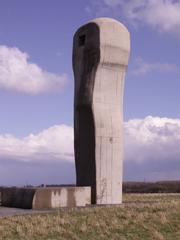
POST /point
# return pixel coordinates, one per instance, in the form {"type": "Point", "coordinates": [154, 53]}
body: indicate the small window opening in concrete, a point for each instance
{"type": "Point", "coordinates": [82, 40]}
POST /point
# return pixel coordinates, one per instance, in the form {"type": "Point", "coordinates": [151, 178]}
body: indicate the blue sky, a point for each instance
{"type": "Point", "coordinates": [36, 88]}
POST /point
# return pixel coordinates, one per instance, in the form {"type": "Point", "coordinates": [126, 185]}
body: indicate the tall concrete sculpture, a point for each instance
{"type": "Point", "coordinates": [100, 58]}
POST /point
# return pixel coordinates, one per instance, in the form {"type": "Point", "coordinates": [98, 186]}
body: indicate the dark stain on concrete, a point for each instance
{"type": "Point", "coordinates": [17, 197]}
{"type": "Point", "coordinates": [85, 62]}
{"type": "Point", "coordinates": [71, 200]}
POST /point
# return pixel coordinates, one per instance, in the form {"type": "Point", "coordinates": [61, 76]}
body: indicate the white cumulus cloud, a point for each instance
{"type": "Point", "coordinates": [163, 15]}
{"type": "Point", "coordinates": [143, 67]}
{"type": "Point", "coordinates": [17, 73]}
{"type": "Point", "coordinates": [52, 144]}
{"type": "Point", "coordinates": [151, 148]}
{"type": "Point", "coordinates": [153, 139]}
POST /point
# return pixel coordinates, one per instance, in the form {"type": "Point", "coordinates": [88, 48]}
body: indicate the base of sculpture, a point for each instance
{"type": "Point", "coordinates": [46, 197]}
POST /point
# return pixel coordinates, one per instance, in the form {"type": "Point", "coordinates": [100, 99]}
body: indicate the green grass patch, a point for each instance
{"type": "Point", "coordinates": [140, 217]}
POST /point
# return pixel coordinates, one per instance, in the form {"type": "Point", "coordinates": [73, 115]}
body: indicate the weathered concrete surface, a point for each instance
{"type": "Point", "coordinates": [100, 58]}
{"type": "Point", "coordinates": [17, 197]}
{"type": "Point", "coordinates": [45, 198]}
{"type": "Point", "coordinates": [61, 197]}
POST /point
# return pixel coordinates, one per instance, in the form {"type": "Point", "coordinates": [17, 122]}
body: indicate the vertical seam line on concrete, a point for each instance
{"type": "Point", "coordinates": [100, 165]}
{"type": "Point", "coordinates": [111, 161]}
{"type": "Point", "coordinates": [106, 141]}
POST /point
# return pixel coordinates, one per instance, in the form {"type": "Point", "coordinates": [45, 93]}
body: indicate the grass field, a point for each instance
{"type": "Point", "coordinates": [141, 216]}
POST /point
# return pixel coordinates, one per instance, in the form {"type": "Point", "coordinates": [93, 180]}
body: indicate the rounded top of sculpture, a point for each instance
{"type": "Point", "coordinates": [105, 36]}
{"type": "Point", "coordinates": [112, 33]}
{"type": "Point", "coordinates": [106, 20]}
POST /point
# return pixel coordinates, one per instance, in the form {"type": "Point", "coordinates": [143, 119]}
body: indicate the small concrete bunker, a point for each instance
{"type": "Point", "coordinates": [46, 197]}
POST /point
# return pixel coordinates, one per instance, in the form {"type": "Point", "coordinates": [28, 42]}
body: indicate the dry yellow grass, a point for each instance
{"type": "Point", "coordinates": [142, 216]}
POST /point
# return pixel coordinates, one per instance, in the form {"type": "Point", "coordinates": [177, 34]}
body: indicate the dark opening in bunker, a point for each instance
{"type": "Point", "coordinates": [82, 40]}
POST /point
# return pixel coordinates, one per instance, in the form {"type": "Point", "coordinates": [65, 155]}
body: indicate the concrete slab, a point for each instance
{"type": "Point", "coordinates": [45, 198]}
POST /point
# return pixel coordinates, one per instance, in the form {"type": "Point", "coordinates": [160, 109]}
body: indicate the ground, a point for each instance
{"type": "Point", "coordinates": [140, 217]}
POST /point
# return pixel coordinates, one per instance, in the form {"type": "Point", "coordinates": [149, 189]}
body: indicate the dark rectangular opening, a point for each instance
{"type": "Point", "coordinates": [82, 40]}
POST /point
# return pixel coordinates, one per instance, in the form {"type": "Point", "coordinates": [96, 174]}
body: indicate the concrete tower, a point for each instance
{"type": "Point", "coordinates": [100, 58]}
